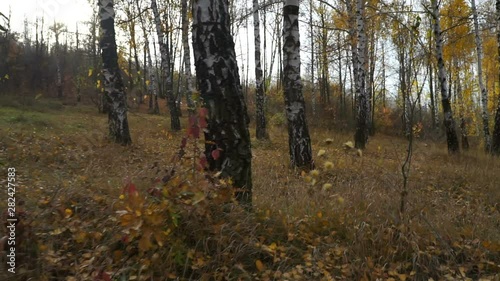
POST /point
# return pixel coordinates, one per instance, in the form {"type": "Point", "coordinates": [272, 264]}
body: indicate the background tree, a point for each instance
{"type": "Point", "coordinates": [260, 118]}
{"type": "Point", "coordinates": [175, 124]}
{"type": "Point", "coordinates": [496, 132]}
{"type": "Point", "coordinates": [484, 92]}
{"type": "Point", "coordinates": [298, 133]}
{"type": "Point", "coordinates": [449, 122]}
{"type": "Point", "coordinates": [227, 138]}
{"type": "Point", "coordinates": [113, 83]}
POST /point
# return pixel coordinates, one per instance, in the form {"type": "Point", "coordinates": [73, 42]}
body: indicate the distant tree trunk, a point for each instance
{"type": "Point", "coordinates": [311, 33]}
{"type": "Point", "coordinates": [187, 57]}
{"type": "Point", "coordinates": [484, 91]}
{"type": "Point", "coordinates": [449, 122]}
{"type": "Point", "coordinates": [298, 133]}
{"type": "Point", "coordinates": [361, 135]}
{"type": "Point", "coordinates": [219, 83]}
{"type": "Point", "coordinates": [175, 123]}
{"type": "Point", "coordinates": [463, 123]}
{"type": "Point", "coordinates": [260, 117]}
{"type": "Point", "coordinates": [496, 132]}
{"type": "Point", "coordinates": [113, 83]}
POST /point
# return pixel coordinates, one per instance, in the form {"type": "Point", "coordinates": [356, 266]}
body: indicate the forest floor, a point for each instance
{"type": "Point", "coordinates": [89, 209]}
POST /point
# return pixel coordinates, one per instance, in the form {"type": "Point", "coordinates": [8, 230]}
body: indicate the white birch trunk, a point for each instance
{"type": "Point", "coordinates": [260, 117]}
{"type": "Point", "coordinates": [484, 91]}
{"type": "Point", "coordinates": [165, 65]}
{"type": "Point", "coordinates": [187, 57]}
{"type": "Point", "coordinates": [113, 83]}
{"type": "Point", "coordinates": [449, 122]}
{"type": "Point", "coordinates": [361, 135]}
{"type": "Point", "coordinates": [298, 133]}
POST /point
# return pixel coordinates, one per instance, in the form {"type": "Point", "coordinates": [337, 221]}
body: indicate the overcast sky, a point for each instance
{"type": "Point", "coordinates": [68, 12]}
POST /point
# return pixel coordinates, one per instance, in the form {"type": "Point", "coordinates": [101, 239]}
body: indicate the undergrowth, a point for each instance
{"type": "Point", "coordinates": [92, 210]}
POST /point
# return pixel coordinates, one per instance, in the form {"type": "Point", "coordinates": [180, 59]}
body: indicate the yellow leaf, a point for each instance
{"type": "Point", "coordinates": [90, 72]}
{"type": "Point", "coordinates": [68, 213]}
{"type": "Point", "coordinates": [260, 266]}
{"type": "Point", "coordinates": [319, 214]}
{"type": "Point", "coordinates": [348, 145]}
{"type": "Point", "coordinates": [6, 76]}
{"type": "Point", "coordinates": [327, 186]}
{"type": "Point", "coordinates": [340, 200]}
{"type": "Point", "coordinates": [321, 152]}
{"type": "Point", "coordinates": [314, 173]}
{"type": "Point", "coordinates": [80, 237]}
{"type": "Point", "coordinates": [328, 165]}
{"type": "Point", "coordinates": [145, 243]}
{"type": "Point", "coordinates": [38, 96]}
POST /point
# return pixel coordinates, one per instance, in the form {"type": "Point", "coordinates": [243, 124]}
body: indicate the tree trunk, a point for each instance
{"type": "Point", "coordinates": [484, 92]}
{"type": "Point", "coordinates": [361, 135]}
{"type": "Point", "coordinates": [298, 133]}
{"type": "Point", "coordinates": [311, 33]}
{"type": "Point", "coordinates": [219, 84]}
{"type": "Point", "coordinates": [189, 90]}
{"type": "Point", "coordinates": [113, 83]}
{"type": "Point", "coordinates": [496, 132]}
{"type": "Point", "coordinates": [449, 122]}
{"type": "Point", "coordinates": [260, 116]}
{"type": "Point", "coordinates": [175, 123]}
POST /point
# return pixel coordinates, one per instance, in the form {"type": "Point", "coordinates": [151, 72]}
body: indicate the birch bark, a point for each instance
{"type": "Point", "coordinates": [113, 83]}
{"type": "Point", "coordinates": [221, 92]}
{"type": "Point", "coordinates": [298, 133]}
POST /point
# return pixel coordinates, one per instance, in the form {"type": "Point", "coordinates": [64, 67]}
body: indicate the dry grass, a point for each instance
{"type": "Point", "coordinates": [352, 231]}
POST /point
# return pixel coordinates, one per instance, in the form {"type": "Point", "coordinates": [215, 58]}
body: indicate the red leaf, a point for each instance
{"type": "Point", "coordinates": [129, 188]}
{"type": "Point", "coordinates": [195, 132]}
{"type": "Point", "coordinates": [203, 112]}
{"type": "Point", "coordinates": [192, 121]}
{"type": "Point", "coordinates": [102, 276]}
{"type": "Point", "coordinates": [183, 143]}
{"type": "Point", "coordinates": [203, 123]}
{"type": "Point", "coordinates": [203, 163]}
{"type": "Point", "coordinates": [216, 154]}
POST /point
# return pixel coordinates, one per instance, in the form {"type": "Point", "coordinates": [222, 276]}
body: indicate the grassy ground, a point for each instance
{"type": "Point", "coordinates": [339, 222]}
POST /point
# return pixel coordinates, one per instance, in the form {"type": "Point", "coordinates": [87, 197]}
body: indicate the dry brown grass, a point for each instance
{"type": "Point", "coordinates": [352, 231]}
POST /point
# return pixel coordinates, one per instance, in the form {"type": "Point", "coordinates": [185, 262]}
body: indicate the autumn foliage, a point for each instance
{"type": "Point", "coordinates": [97, 211]}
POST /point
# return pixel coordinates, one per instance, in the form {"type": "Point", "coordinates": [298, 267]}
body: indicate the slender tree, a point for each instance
{"type": "Point", "coordinates": [219, 84]}
{"type": "Point", "coordinates": [361, 136]}
{"type": "Point", "coordinates": [484, 91]}
{"type": "Point", "coordinates": [175, 123]}
{"type": "Point", "coordinates": [449, 122]}
{"type": "Point", "coordinates": [298, 133]}
{"type": "Point", "coordinates": [189, 89]}
{"type": "Point", "coordinates": [260, 117]}
{"type": "Point", "coordinates": [113, 83]}
{"type": "Point", "coordinates": [496, 131]}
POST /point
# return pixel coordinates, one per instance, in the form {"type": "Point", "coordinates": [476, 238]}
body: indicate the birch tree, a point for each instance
{"type": "Point", "coordinates": [484, 92]}
{"type": "Point", "coordinates": [227, 138]}
{"type": "Point", "coordinates": [298, 133]}
{"type": "Point", "coordinates": [58, 28]}
{"type": "Point", "coordinates": [361, 135]}
{"type": "Point", "coordinates": [113, 83]}
{"type": "Point", "coordinates": [449, 122]}
{"type": "Point", "coordinates": [260, 132]}
{"type": "Point", "coordinates": [187, 57]}
{"type": "Point", "coordinates": [175, 123]}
